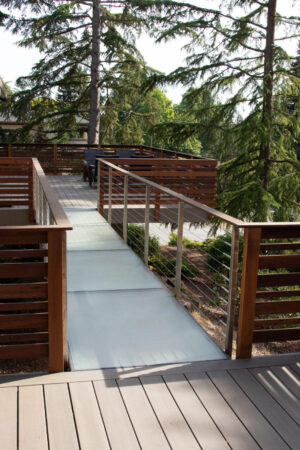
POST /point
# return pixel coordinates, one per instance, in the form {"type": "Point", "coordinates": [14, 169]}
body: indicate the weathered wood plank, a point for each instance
{"type": "Point", "coordinates": [265, 403]}
{"type": "Point", "coordinates": [200, 422]}
{"type": "Point", "coordinates": [230, 426]}
{"type": "Point", "coordinates": [178, 433]}
{"type": "Point", "coordinates": [145, 423]}
{"type": "Point", "coordinates": [8, 418]}
{"type": "Point", "coordinates": [114, 412]}
{"type": "Point", "coordinates": [32, 420]}
{"type": "Point", "coordinates": [61, 427]}
{"type": "Point", "coordinates": [90, 428]}
{"type": "Point", "coordinates": [253, 420]}
{"type": "Point", "coordinates": [278, 390]}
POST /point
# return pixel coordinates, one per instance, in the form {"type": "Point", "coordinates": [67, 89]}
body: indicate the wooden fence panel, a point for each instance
{"type": "Point", "coordinates": [276, 315]}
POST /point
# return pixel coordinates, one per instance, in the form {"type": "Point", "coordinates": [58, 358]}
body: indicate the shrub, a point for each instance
{"type": "Point", "coordinates": [136, 240]}
{"type": "Point", "coordinates": [166, 266]}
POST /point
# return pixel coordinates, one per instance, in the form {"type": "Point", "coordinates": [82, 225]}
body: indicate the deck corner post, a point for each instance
{"type": "Point", "coordinates": [252, 238]}
{"type": "Point", "coordinates": [179, 249]}
{"type": "Point", "coordinates": [57, 320]}
{"type": "Point", "coordinates": [125, 211]}
{"type": "Point", "coordinates": [233, 283]}
{"type": "Point", "coordinates": [147, 220]}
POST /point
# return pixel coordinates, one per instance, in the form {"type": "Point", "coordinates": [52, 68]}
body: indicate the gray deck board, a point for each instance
{"type": "Point", "coordinates": [176, 429]}
{"type": "Point", "coordinates": [8, 418]}
{"type": "Point", "coordinates": [114, 412]}
{"type": "Point", "coordinates": [231, 427]}
{"type": "Point", "coordinates": [289, 378]}
{"type": "Point", "coordinates": [254, 421]}
{"type": "Point", "coordinates": [61, 427]}
{"type": "Point", "coordinates": [286, 399]}
{"type": "Point", "coordinates": [32, 419]}
{"type": "Point", "coordinates": [226, 407]}
{"type": "Point", "coordinates": [146, 425]}
{"type": "Point", "coordinates": [89, 424]}
{"type": "Point", "coordinates": [200, 422]}
{"type": "Point", "coordinates": [284, 425]}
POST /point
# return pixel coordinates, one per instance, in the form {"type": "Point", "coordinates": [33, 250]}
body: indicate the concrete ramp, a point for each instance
{"type": "Point", "coordinates": [120, 314]}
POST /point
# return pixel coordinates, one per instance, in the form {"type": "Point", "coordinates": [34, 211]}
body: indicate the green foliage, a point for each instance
{"type": "Point", "coordinates": [244, 105]}
{"type": "Point", "coordinates": [163, 265]}
{"type": "Point", "coordinates": [216, 250]}
{"type": "Point", "coordinates": [62, 32]}
{"type": "Point", "coordinates": [136, 240]}
{"type": "Point", "coordinates": [166, 266]}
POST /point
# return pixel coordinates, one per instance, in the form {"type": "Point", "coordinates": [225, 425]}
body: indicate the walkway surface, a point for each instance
{"type": "Point", "coordinates": [119, 313]}
{"type": "Point", "coordinates": [240, 405]}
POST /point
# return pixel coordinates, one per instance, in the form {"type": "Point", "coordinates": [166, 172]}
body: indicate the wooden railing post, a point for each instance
{"type": "Point", "coordinates": [179, 249]}
{"type": "Point", "coordinates": [252, 239]}
{"type": "Point", "coordinates": [9, 150]}
{"type": "Point", "coordinates": [57, 320]}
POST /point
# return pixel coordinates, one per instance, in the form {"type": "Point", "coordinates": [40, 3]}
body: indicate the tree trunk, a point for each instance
{"type": "Point", "coordinates": [267, 111]}
{"type": "Point", "coordinates": [94, 114]}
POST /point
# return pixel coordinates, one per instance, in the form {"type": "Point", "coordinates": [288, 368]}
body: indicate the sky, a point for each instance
{"type": "Point", "coordinates": [17, 61]}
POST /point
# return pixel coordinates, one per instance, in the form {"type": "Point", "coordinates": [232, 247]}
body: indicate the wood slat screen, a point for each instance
{"type": "Point", "coordinates": [23, 297]}
{"type": "Point", "coordinates": [195, 179]}
{"type": "Point", "coordinates": [275, 314]}
{"type": "Point", "coordinates": [16, 184]}
{"type": "Point", "coordinates": [58, 158]}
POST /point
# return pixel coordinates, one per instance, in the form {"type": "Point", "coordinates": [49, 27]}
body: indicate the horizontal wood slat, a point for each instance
{"type": "Point", "coordinates": [285, 334]}
{"type": "Point", "coordinates": [280, 232]}
{"type": "Point", "coordinates": [28, 253]}
{"type": "Point", "coordinates": [24, 290]}
{"type": "Point", "coordinates": [9, 236]}
{"type": "Point", "coordinates": [24, 306]}
{"type": "Point", "coordinates": [278, 294]}
{"type": "Point", "coordinates": [259, 323]}
{"type": "Point", "coordinates": [278, 279]}
{"type": "Point", "coordinates": [279, 261]}
{"type": "Point", "coordinates": [277, 307]}
{"type": "Point", "coordinates": [18, 338]}
{"type": "Point", "coordinates": [20, 321]}
{"type": "Point", "coordinates": [23, 351]}
{"type": "Point", "coordinates": [279, 246]}
{"type": "Point", "coordinates": [23, 270]}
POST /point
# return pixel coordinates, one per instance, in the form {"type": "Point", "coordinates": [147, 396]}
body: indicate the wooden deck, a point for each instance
{"type": "Point", "coordinates": [246, 404]}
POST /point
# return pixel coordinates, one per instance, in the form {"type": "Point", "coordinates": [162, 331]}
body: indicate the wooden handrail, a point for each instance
{"type": "Point", "coordinates": [207, 209]}
{"type": "Point", "coordinates": [59, 214]}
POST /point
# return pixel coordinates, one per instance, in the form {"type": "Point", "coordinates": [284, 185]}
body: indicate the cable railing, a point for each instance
{"type": "Point", "coordinates": [233, 278]}
{"type": "Point", "coordinates": [147, 215]}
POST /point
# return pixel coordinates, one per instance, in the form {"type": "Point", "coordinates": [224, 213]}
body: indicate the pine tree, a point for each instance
{"type": "Point", "coordinates": [236, 54]}
{"type": "Point", "coordinates": [87, 47]}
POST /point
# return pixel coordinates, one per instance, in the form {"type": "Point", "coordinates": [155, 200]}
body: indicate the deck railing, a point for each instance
{"type": "Point", "coordinates": [32, 267]}
{"type": "Point", "coordinates": [59, 158]}
{"type": "Point", "coordinates": [206, 276]}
